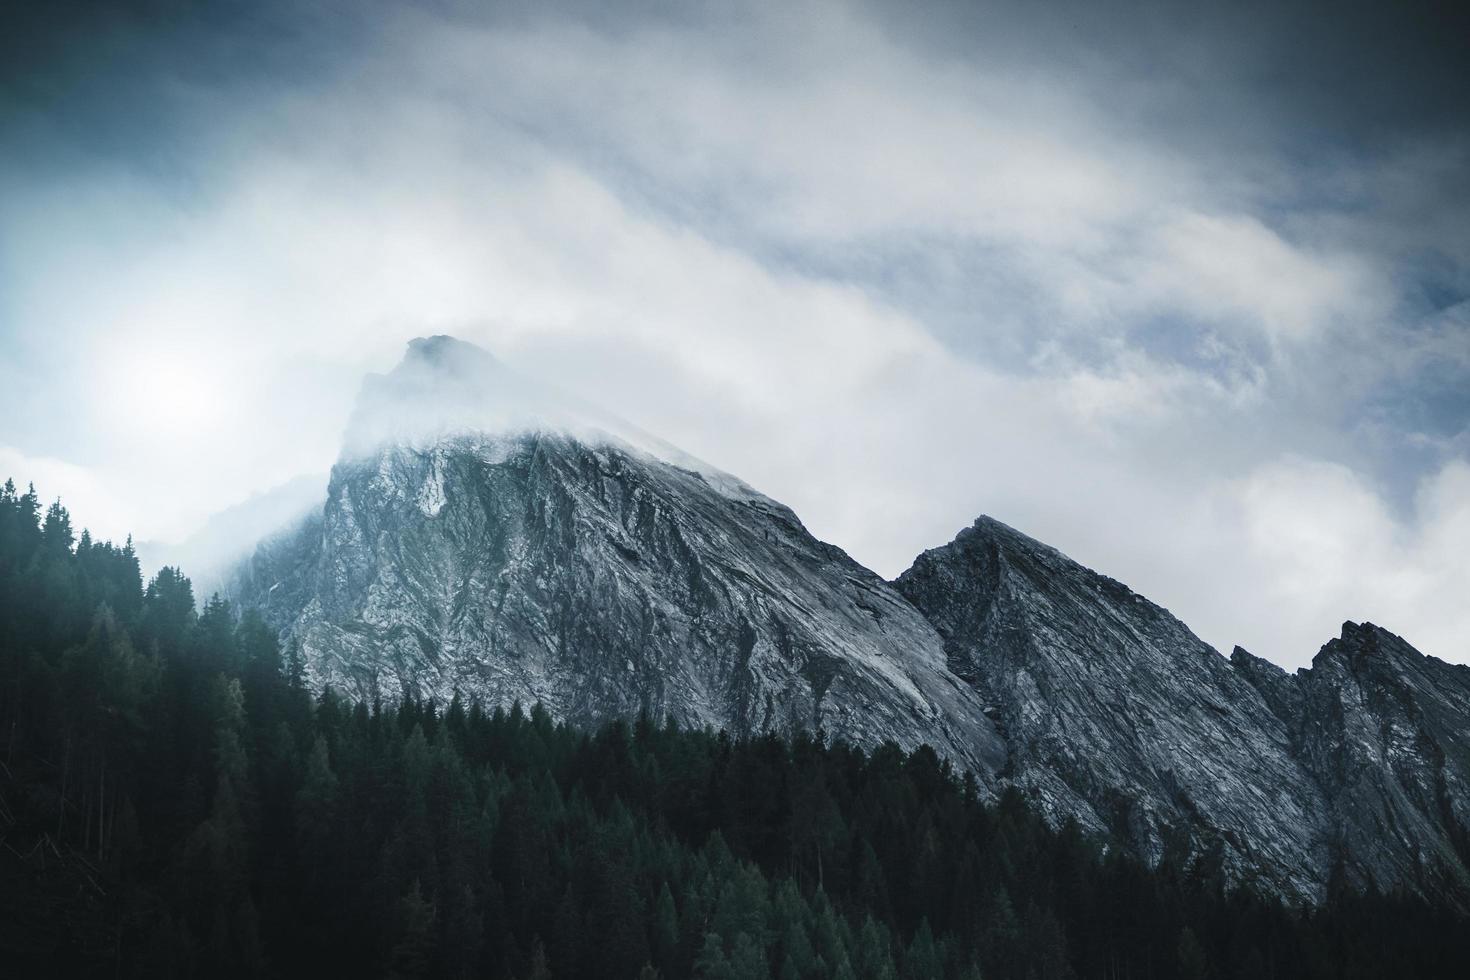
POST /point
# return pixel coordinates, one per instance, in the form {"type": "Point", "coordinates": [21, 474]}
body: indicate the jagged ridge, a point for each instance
{"type": "Point", "coordinates": [492, 536]}
{"type": "Point", "coordinates": [1385, 731]}
{"type": "Point", "coordinates": [1116, 714]}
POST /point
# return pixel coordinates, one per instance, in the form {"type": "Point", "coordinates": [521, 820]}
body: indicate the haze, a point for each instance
{"type": "Point", "coordinates": [1183, 295]}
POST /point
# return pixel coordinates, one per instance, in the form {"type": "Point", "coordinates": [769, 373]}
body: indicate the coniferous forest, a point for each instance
{"type": "Point", "coordinates": [175, 802]}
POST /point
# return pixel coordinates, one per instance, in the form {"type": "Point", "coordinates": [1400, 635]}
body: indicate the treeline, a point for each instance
{"type": "Point", "coordinates": [175, 802]}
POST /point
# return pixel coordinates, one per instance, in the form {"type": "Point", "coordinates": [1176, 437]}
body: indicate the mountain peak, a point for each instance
{"type": "Point", "coordinates": [989, 528]}
{"type": "Point", "coordinates": [1103, 695]}
{"type": "Point", "coordinates": [1363, 631]}
{"type": "Point", "coordinates": [442, 387]}
{"type": "Point", "coordinates": [988, 531]}
{"type": "Point", "coordinates": [435, 343]}
{"type": "Point", "coordinates": [1358, 641]}
{"type": "Point", "coordinates": [498, 537]}
{"type": "Point", "coordinates": [442, 350]}
{"type": "Point", "coordinates": [445, 389]}
{"type": "Point", "coordinates": [987, 523]}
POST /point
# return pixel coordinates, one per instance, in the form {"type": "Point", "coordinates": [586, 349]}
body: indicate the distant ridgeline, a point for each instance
{"type": "Point", "coordinates": [173, 801]}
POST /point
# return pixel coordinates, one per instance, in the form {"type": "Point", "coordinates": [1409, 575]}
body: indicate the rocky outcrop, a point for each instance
{"type": "Point", "coordinates": [1385, 732]}
{"type": "Point", "coordinates": [1355, 771]}
{"type": "Point", "coordinates": [1114, 713]}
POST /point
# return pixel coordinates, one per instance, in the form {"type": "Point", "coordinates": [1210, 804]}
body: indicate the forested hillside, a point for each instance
{"type": "Point", "coordinates": [174, 801]}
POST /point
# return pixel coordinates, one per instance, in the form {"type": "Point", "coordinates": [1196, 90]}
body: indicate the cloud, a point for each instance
{"type": "Point", "coordinates": [892, 274]}
{"type": "Point", "coordinates": [1235, 270]}
{"type": "Point", "coordinates": [841, 138]}
{"type": "Point", "coordinates": [93, 502]}
{"type": "Point", "coordinates": [1335, 551]}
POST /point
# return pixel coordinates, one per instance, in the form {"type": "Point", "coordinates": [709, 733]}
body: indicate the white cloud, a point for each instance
{"type": "Point", "coordinates": [629, 215]}
{"type": "Point", "coordinates": [1331, 550]}
{"type": "Point", "coordinates": [821, 131]}
{"type": "Point", "coordinates": [1229, 269]}
{"type": "Point", "coordinates": [93, 502]}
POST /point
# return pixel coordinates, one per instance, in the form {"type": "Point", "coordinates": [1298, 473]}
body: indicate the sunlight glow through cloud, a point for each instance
{"type": "Point", "coordinates": [888, 279]}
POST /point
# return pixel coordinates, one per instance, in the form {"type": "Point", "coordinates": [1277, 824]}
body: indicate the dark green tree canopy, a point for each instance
{"type": "Point", "coordinates": [174, 802]}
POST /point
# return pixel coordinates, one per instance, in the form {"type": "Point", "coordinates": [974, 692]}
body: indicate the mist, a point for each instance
{"type": "Point", "coordinates": [1184, 296]}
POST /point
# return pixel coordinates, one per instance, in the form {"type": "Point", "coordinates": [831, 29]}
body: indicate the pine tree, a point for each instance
{"type": "Point", "coordinates": [748, 960]}
{"type": "Point", "coordinates": [666, 932]}
{"type": "Point", "coordinates": [168, 611]}
{"type": "Point", "coordinates": [922, 960]}
{"type": "Point", "coordinates": [1194, 962]}
{"type": "Point", "coordinates": [413, 946]}
{"type": "Point", "coordinates": [711, 963]}
{"type": "Point", "coordinates": [56, 533]}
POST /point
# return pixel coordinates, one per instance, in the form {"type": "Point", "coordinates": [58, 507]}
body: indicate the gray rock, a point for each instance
{"type": "Point", "coordinates": [488, 535]}
{"type": "Point", "coordinates": [1385, 731]}
{"type": "Point", "coordinates": [1117, 715]}
{"type": "Point", "coordinates": [1280, 689]}
{"type": "Point", "coordinates": [578, 570]}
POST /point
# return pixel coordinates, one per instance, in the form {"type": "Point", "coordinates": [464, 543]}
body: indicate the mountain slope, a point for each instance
{"type": "Point", "coordinates": [1385, 731]}
{"type": "Point", "coordinates": [1116, 714]}
{"type": "Point", "coordinates": [515, 549]}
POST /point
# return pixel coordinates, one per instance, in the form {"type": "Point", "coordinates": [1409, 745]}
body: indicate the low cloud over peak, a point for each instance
{"type": "Point", "coordinates": [1182, 295]}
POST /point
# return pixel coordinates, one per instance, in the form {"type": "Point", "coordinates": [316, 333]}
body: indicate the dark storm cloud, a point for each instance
{"type": "Point", "coordinates": [1352, 71]}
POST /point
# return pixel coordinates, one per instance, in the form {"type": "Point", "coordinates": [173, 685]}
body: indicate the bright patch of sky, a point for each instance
{"type": "Point", "coordinates": [1184, 295]}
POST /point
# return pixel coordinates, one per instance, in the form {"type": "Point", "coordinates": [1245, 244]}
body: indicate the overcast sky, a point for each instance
{"type": "Point", "coordinates": [1183, 294]}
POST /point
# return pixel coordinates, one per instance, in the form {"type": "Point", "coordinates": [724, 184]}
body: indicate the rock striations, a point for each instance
{"type": "Point", "coordinates": [487, 535]}
{"type": "Point", "coordinates": [1385, 732]}
{"type": "Point", "coordinates": [1116, 714]}
{"type": "Point", "coordinates": [553, 560]}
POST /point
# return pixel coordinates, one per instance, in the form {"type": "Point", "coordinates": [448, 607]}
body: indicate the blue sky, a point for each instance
{"type": "Point", "coordinates": [1184, 294]}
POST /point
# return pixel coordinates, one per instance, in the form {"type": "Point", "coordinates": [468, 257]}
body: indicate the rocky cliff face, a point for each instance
{"type": "Point", "coordinates": [1385, 732]}
{"type": "Point", "coordinates": [490, 536]}
{"type": "Point", "coordinates": [1116, 714]}
{"type": "Point", "coordinates": [555, 561]}
{"type": "Point", "coordinates": [1113, 712]}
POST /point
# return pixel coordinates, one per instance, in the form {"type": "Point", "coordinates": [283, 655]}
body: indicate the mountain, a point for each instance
{"type": "Point", "coordinates": [1385, 731]}
{"type": "Point", "coordinates": [485, 535]}
{"type": "Point", "coordinates": [1114, 713]}
{"type": "Point", "coordinates": [489, 535]}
